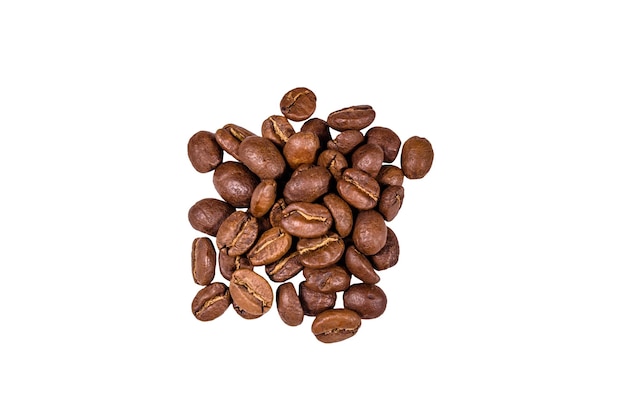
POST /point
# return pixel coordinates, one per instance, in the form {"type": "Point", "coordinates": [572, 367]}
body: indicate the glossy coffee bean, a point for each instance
{"type": "Point", "coordinates": [331, 279]}
{"type": "Point", "coordinates": [306, 219]}
{"type": "Point", "coordinates": [360, 266]}
{"type": "Point", "coordinates": [285, 268]}
{"type": "Point", "coordinates": [314, 302]}
{"type": "Point", "coordinates": [237, 233]}
{"type": "Point", "coordinates": [271, 246]}
{"type": "Point", "coordinates": [302, 148]}
{"type": "Point", "coordinates": [390, 201]}
{"type": "Point", "coordinates": [341, 213]}
{"type": "Point", "coordinates": [277, 129]}
{"type": "Point", "coordinates": [229, 264]}
{"type": "Point", "coordinates": [252, 295]}
{"type": "Point", "coordinates": [211, 302]}
{"type": "Point", "coordinates": [203, 260]}
{"type": "Point", "coordinates": [368, 158]}
{"type": "Point", "coordinates": [367, 300]}
{"type": "Point", "coordinates": [263, 197]}
{"type": "Point", "coordinates": [390, 175]}
{"type": "Point", "coordinates": [358, 189]}
{"type": "Point", "coordinates": [288, 304]}
{"type": "Point", "coordinates": [320, 252]}
{"type": "Point", "coordinates": [386, 139]}
{"type": "Point", "coordinates": [262, 157]}
{"type": "Point", "coordinates": [335, 325]}
{"type": "Point", "coordinates": [390, 253]}
{"type": "Point", "coordinates": [298, 104]}
{"type": "Point", "coordinates": [345, 142]}
{"type": "Point", "coordinates": [229, 138]}
{"type": "Point", "coordinates": [354, 117]}
{"type": "Point", "coordinates": [370, 232]}
{"type": "Point", "coordinates": [334, 162]}
{"type": "Point", "coordinates": [319, 127]}
{"type": "Point", "coordinates": [307, 184]}
{"type": "Point", "coordinates": [276, 212]}
{"type": "Point", "coordinates": [204, 152]}
{"type": "Point", "coordinates": [417, 157]}
{"type": "Point", "coordinates": [235, 183]}
{"type": "Point", "coordinates": [208, 214]}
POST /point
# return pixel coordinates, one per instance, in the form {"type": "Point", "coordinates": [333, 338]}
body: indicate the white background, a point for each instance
{"type": "Point", "coordinates": [509, 297]}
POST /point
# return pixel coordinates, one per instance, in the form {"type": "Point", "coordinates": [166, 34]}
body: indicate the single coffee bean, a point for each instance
{"type": "Point", "coordinates": [334, 162]}
{"type": "Point", "coordinates": [335, 325]}
{"type": "Point", "coordinates": [359, 189]}
{"type": "Point", "coordinates": [307, 184]}
{"type": "Point", "coordinates": [370, 232]}
{"type": "Point", "coordinates": [235, 183]}
{"type": "Point", "coordinates": [208, 214]}
{"type": "Point", "coordinates": [263, 197]}
{"type": "Point", "coordinates": [360, 266]}
{"type": "Point", "coordinates": [368, 158]}
{"type": "Point", "coordinates": [390, 201]}
{"type": "Point", "coordinates": [314, 302]}
{"type": "Point", "coordinates": [262, 157]}
{"type": "Point", "coordinates": [390, 175]}
{"type": "Point", "coordinates": [238, 233]}
{"type": "Point", "coordinates": [229, 138]}
{"type": "Point", "coordinates": [203, 260]}
{"type": "Point", "coordinates": [355, 118]}
{"type": "Point", "coordinates": [252, 295]}
{"type": "Point", "coordinates": [345, 142]}
{"type": "Point", "coordinates": [388, 256]}
{"type": "Point", "coordinates": [211, 302]}
{"type": "Point", "coordinates": [204, 152]}
{"type": "Point", "coordinates": [277, 129]}
{"type": "Point", "coordinates": [417, 157]}
{"type": "Point", "coordinates": [298, 104]}
{"type": "Point", "coordinates": [229, 264]}
{"type": "Point", "coordinates": [288, 304]}
{"type": "Point", "coordinates": [301, 149]}
{"type": "Point", "coordinates": [319, 127]}
{"type": "Point", "coordinates": [285, 268]}
{"type": "Point", "coordinates": [271, 246]}
{"type": "Point", "coordinates": [341, 213]}
{"type": "Point", "coordinates": [386, 139]}
{"type": "Point", "coordinates": [320, 252]}
{"type": "Point", "coordinates": [331, 279]}
{"type": "Point", "coordinates": [306, 219]}
{"type": "Point", "coordinates": [276, 212]}
{"type": "Point", "coordinates": [367, 300]}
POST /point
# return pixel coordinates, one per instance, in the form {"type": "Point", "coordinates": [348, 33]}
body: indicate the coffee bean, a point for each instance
{"type": "Point", "coordinates": [301, 149]}
{"type": "Point", "coordinates": [319, 127]}
{"type": "Point", "coordinates": [390, 175]}
{"type": "Point", "coordinates": [314, 302]}
{"type": "Point", "coordinates": [388, 256]}
{"type": "Point", "coordinates": [346, 141]}
{"type": "Point", "coordinates": [229, 138]}
{"type": "Point", "coordinates": [276, 212]}
{"type": "Point", "coordinates": [262, 157]}
{"type": "Point", "coordinates": [341, 213]}
{"type": "Point", "coordinates": [307, 184]}
{"type": "Point", "coordinates": [355, 118]}
{"type": "Point", "coordinates": [263, 198]}
{"type": "Point", "coordinates": [208, 214]}
{"type": "Point", "coordinates": [358, 189]}
{"type": "Point", "coordinates": [417, 157]}
{"type": "Point", "coordinates": [237, 233]}
{"type": "Point", "coordinates": [306, 219]}
{"type": "Point", "coordinates": [368, 158]}
{"type": "Point", "coordinates": [360, 266]}
{"type": "Point", "coordinates": [367, 300]}
{"type": "Point", "coordinates": [270, 247]}
{"type": "Point", "coordinates": [334, 162]}
{"type": "Point", "coordinates": [298, 104]}
{"type": "Point", "coordinates": [204, 152]}
{"type": "Point", "coordinates": [229, 264]}
{"type": "Point", "coordinates": [331, 279]}
{"type": "Point", "coordinates": [252, 295]}
{"type": "Point", "coordinates": [390, 201]}
{"type": "Point", "coordinates": [288, 304]}
{"type": "Point", "coordinates": [235, 183]}
{"type": "Point", "coordinates": [386, 139]}
{"type": "Point", "coordinates": [336, 325]}
{"type": "Point", "coordinates": [203, 260]}
{"type": "Point", "coordinates": [277, 129]}
{"type": "Point", "coordinates": [211, 302]}
{"type": "Point", "coordinates": [285, 268]}
{"type": "Point", "coordinates": [370, 232]}
{"type": "Point", "coordinates": [320, 252]}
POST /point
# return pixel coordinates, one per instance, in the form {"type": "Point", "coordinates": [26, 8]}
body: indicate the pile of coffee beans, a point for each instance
{"type": "Point", "coordinates": [316, 201]}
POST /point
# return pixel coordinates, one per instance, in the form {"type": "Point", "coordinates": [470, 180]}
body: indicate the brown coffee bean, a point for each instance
{"type": "Point", "coordinates": [208, 214]}
{"type": "Point", "coordinates": [331, 279]}
{"type": "Point", "coordinates": [262, 157]}
{"type": "Point", "coordinates": [314, 302]}
{"type": "Point", "coordinates": [390, 201]}
{"type": "Point", "coordinates": [386, 139]}
{"type": "Point", "coordinates": [235, 183]}
{"type": "Point", "coordinates": [341, 213]}
{"type": "Point", "coordinates": [390, 175]}
{"type": "Point", "coordinates": [306, 219]}
{"type": "Point", "coordinates": [388, 256]}
{"type": "Point", "coordinates": [288, 304]}
{"type": "Point", "coordinates": [359, 189]}
{"type": "Point", "coordinates": [211, 302]}
{"type": "Point", "coordinates": [277, 129]}
{"type": "Point", "coordinates": [204, 152]}
{"type": "Point", "coordinates": [334, 162]}
{"type": "Point", "coordinates": [367, 300]}
{"type": "Point", "coordinates": [417, 157]}
{"type": "Point", "coordinates": [319, 127]}
{"type": "Point", "coordinates": [370, 232]}
{"type": "Point", "coordinates": [229, 138]}
{"type": "Point", "coordinates": [368, 158]}
{"type": "Point", "coordinates": [263, 198]}
{"type": "Point", "coordinates": [345, 142]}
{"type": "Point", "coordinates": [301, 149]}
{"type": "Point", "coordinates": [276, 212]}
{"type": "Point", "coordinates": [298, 104]}
{"type": "Point", "coordinates": [355, 118]}
{"type": "Point", "coordinates": [271, 246]}
{"type": "Point", "coordinates": [229, 264]}
{"type": "Point", "coordinates": [336, 325]}
{"type": "Point", "coordinates": [238, 132]}
{"type": "Point", "coordinates": [320, 252]}
{"type": "Point", "coordinates": [237, 233]}
{"type": "Point", "coordinates": [252, 295]}
{"type": "Point", "coordinates": [307, 184]}
{"type": "Point", "coordinates": [285, 268]}
{"type": "Point", "coordinates": [203, 260]}
{"type": "Point", "coordinates": [360, 266]}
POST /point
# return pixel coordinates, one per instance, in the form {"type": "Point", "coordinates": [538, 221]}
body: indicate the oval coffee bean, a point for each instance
{"type": "Point", "coordinates": [334, 162]}
{"type": "Point", "coordinates": [355, 118]}
{"type": "Point", "coordinates": [345, 142]}
{"type": "Point", "coordinates": [370, 232]}
{"type": "Point", "coordinates": [368, 158]}
{"type": "Point", "coordinates": [208, 214]}
{"type": "Point", "coordinates": [277, 129]}
{"type": "Point", "coordinates": [320, 252]}
{"type": "Point", "coordinates": [237, 234]}
{"type": "Point", "coordinates": [235, 183]}
{"type": "Point", "coordinates": [390, 253]}
{"type": "Point", "coordinates": [368, 300]}
{"type": "Point", "coordinates": [211, 302]}
{"type": "Point", "coordinates": [263, 197]}
{"type": "Point", "coordinates": [390, 201]}
{"type": "Point", "coordinates": [341, 212]}
{"type": "Point", "coordinates": [276, 212]}
{"type": "Point", "coordinates": [204, 152]}
{"type": "Point", "coordinates": [229, 138]}
{"type": "Point", "coordinates": [386, 139]}
{"type": "Point", "coordinates": [360, 266]}
{"type": "Point", "coordinates": [288, 304]}
{"type": "Point", "coordinates": [314, 302]}
{"type": "Point", "coordinates": [298, 104]}
{"type": "Point", "coordinates": [306, 219]}
{"type": "Point", "coordinates": [390, 175]}
{"type": "Point", "coordinates": [319, 127]}
{"type": "Point", "coordinates": [262, 157]}
{"type": "Point", "coordinates": [229, 264]}
{"type": "Point", "coordinates": [271, 246]}
{"type": "Point", "coordinates": [285, 268]}
{"type": "Point", "coordinates": [307, 184]}
{"type": "Point", "coordinates": [301, 149]}
{"type": "Point", "coordinates": [252, 295]}
{"type": "Point", "coordinates": [417, 157]}
{"type": "Point", "coordinates": [336, 325]}
{"type": "Point", "coordinates": [359, 189]}
{"type": "Point", "coordinates": [203, 260]}
{"type": "Point", "coordinates": [327, 280]}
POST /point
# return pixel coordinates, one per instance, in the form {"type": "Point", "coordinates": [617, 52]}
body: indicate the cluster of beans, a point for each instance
{"type": "Point", "coordinates": [315, 201]}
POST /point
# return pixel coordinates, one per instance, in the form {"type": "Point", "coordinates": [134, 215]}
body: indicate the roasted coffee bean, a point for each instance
{"type": "Point", "coordinates": [271, 246]}
{"type": "Point", "coordinates": [388, 256]}
{"type": "Point", "coordinates": [417, 157]}
{"type": "Point", "coordinates": [320, 252]}
{"type": "Point", "coordinates": [370, 232]}
{"type": "Point", "coordinates": [307, 184]}
{"type": "Point", "coordinates": [331, 279]}
{"type": "Point", "coordinates": [237, 233]}
{"type": "Point", "coordinates": [264, 224]}
{"type": "Point", "coordinates": [252, 295]}
{"type": "Point", "coordinates": [203, 260]}
{"type": "Point", "coordinates": [359, 189]}
{"type": "Point", "coordinates": [341, 212]}
{"type": "Point", "coordinates": [276, 212]}
{"type": "Point", "coordinates": [314, 302]}
{"type": "Point", "coordinates": [208, 214]}
{"type": "Point", "coordinates": [211, 302]}
{"type": "Point", "coordinates": [235, 183]}
{"type": "Point", "coordinates": [285, 268]}
{"type": "Point", "coordinates": [204, 152]}
{"type": "Point", "coordinates": [288, 304]}
{"type": "Point", "coordinates": [319, 127]}
{"type": "Point", "coordinates": [345, 142]}
{"type": "Point", "coordinates": [298, 104]}
{"type": "Point", "coordinates": [306, 219]}
{"type": "Point", "coordinates": [390, 175]}
{"type": "Point", "coordinates": [229, 138]}
{"type": "Point", "coordinates": [334, 162]}
{"type": "Point", "coordinates": [277, 129]}
{"type": "Point", "coordinates": [262, 157]}
{"type": "Point", "coordinates": [367, 300]}
{"type": "Point", "coordinates": [336, 325]}
{"type": "Point", "coordinates": [390, 201]}
{"type": "Point", "coordinates": [360, 266]}
{"type": "Point", "coordinates": [263, 197]}
{"type": "Point", "coordinates": [229, 264]}
{"type": "Point", "coordinates": [386, 139]}
{"type": "Point", "coordinates": [368, 158]}
{"type": "Point", "coordinates": [355, 118]}
{"type": "Point", "coordinates": [301, 149]}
